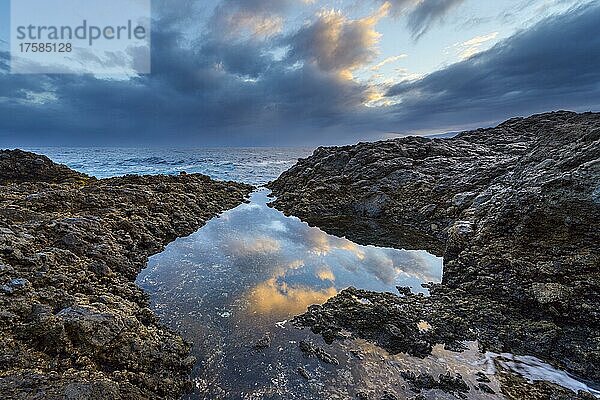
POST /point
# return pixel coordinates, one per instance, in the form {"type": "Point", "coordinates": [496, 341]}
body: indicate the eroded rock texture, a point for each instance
{"type": "Point", "coordinates": [514, 210]}
{"type": "Point", "coordinates": [73, 325]}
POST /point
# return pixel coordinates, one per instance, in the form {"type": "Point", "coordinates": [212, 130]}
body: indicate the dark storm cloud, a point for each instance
{"type": "Point", "coordinates": [235, 92]}
{"type": "Point", "coordinates": [555, 64]}
{"type": "Point", "coordinates": [427, 13]}
{"type": "Point", "coordinates": [211, 93]}
{"type": "Point", "coordinates": [422, 15]}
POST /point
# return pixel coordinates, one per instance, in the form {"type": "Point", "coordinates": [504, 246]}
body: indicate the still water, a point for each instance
{"type": "Point", "coordinates": [232, 287]}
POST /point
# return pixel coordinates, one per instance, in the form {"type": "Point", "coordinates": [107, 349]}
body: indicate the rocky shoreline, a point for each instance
{"type": "Point", "coordinates": [73, 325]}
{"type": "Point", "coordinates": [514, 210]}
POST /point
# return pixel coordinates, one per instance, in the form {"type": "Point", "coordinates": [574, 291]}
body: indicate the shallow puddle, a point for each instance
{"type": "Point", "coordinates": [232, 287]}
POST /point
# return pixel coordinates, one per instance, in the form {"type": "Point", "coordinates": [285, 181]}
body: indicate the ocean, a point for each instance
{"type": "Point", "coordinates": [256, 166]}
{"type": "Point", "coordinates": [232, 288]}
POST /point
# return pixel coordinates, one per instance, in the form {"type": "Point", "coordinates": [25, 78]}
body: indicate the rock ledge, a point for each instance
{"type": "Point", "coordinates": [515, 212]}
{"type": "Point", "coordinates": [73, 325]}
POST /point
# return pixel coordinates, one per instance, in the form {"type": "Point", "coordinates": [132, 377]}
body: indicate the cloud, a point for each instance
{"type": "Point", "coordinates": [261, 18]}
{"type": "Point", "coordinates": [388, 60]}
{"type": "Point", "coordinates": [473, 46]}
{"type": "Point", "coordinates": [257, 245]}
{"type": "Point", "coordinates": [554, 64]}
{"type": "Point", "coordinates": [428, 12]}
{"type": "Point", "coordinates": [422, 14]}
{"type": "Point", "coordinates": [324, 273]}
{"type": "Point", "coordinates": [276, 298]}
{"type": "Point", "coordinates": [208, 91]}
{"type": "Point", "coordinates": [335, 43]}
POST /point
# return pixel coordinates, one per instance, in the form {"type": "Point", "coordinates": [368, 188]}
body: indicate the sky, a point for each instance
{"type": "Point", "coordinates": [310, 72]}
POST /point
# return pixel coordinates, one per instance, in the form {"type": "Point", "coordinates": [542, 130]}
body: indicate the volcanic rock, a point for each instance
{"type": "Point", "coordinates": [73, 323]}
{"type": "Point", "coordinates": [515, 212]}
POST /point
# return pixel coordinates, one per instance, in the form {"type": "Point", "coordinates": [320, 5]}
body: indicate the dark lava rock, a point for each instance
{"type": "Point", "coordinates": [481, 377]}
{"type": "Point", "coordinates": [452, 383]}
{"type": "Point", "coordinates": [445, 382]}
{"type": "Point", "coordinates": [362, 395]}
{"type": "Point", "coordinates": [312, 350]}
{"type": "Point", "coordinates": [515, 387]}
{"type": "Point", "coordinates": [303, 372]}
{"type": "Point", "coordinates": [263, 343]}
{"type": "Point", "coordinates": [485, 388]}
{"type": "Point", "coordinates": [73, 323]}
{"type": "Point", "coordinates": [389, 396]}
{"type": "Point", "coordinates": [513, 209]}
{"type": "Point", "coordinates": [381, 324]}
{"type": "Point", "coordinates": [19, 166]}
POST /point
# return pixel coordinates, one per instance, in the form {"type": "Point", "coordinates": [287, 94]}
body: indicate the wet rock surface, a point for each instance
{"type": "Point", "coordinates": [73, 325]}
{"type": "Point", "coordinates": [446, 382]}
{"type": "Point", "coordinates": [312, 350]}
{"type": "Point", "coordinates": [515, 212]}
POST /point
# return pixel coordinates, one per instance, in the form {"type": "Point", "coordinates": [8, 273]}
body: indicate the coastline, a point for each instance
{"type": "Point", "coordinates": [515, 212]}
{"type": "Point", "coordinates": [74, 324]}
{"type": "Point", "coordinates": [512, 209]}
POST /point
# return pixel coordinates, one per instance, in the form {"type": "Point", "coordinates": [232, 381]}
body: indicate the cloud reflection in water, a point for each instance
{"type": "Point", "coordinates": [243, 274]}
{"type": "Point", "coordinates": [273, 264]}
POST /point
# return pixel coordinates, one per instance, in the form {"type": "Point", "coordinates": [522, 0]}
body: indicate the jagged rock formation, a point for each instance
{"type": "Point", "coordinates": [514, 210]}
{"type": "Point", "coordinates": [73, 325]}
{"type": "Point", "coordinates": [19, 166]}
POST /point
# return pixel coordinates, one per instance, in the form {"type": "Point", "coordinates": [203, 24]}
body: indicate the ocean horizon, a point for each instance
{"type": "Point", "coordinates": [253, 165]}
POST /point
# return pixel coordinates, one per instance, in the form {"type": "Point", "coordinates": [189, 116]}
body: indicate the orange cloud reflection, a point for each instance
{"type": "Point", "coordinates": [325, 274]}
{"type": "Point", "coordinates": [277, 298]}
